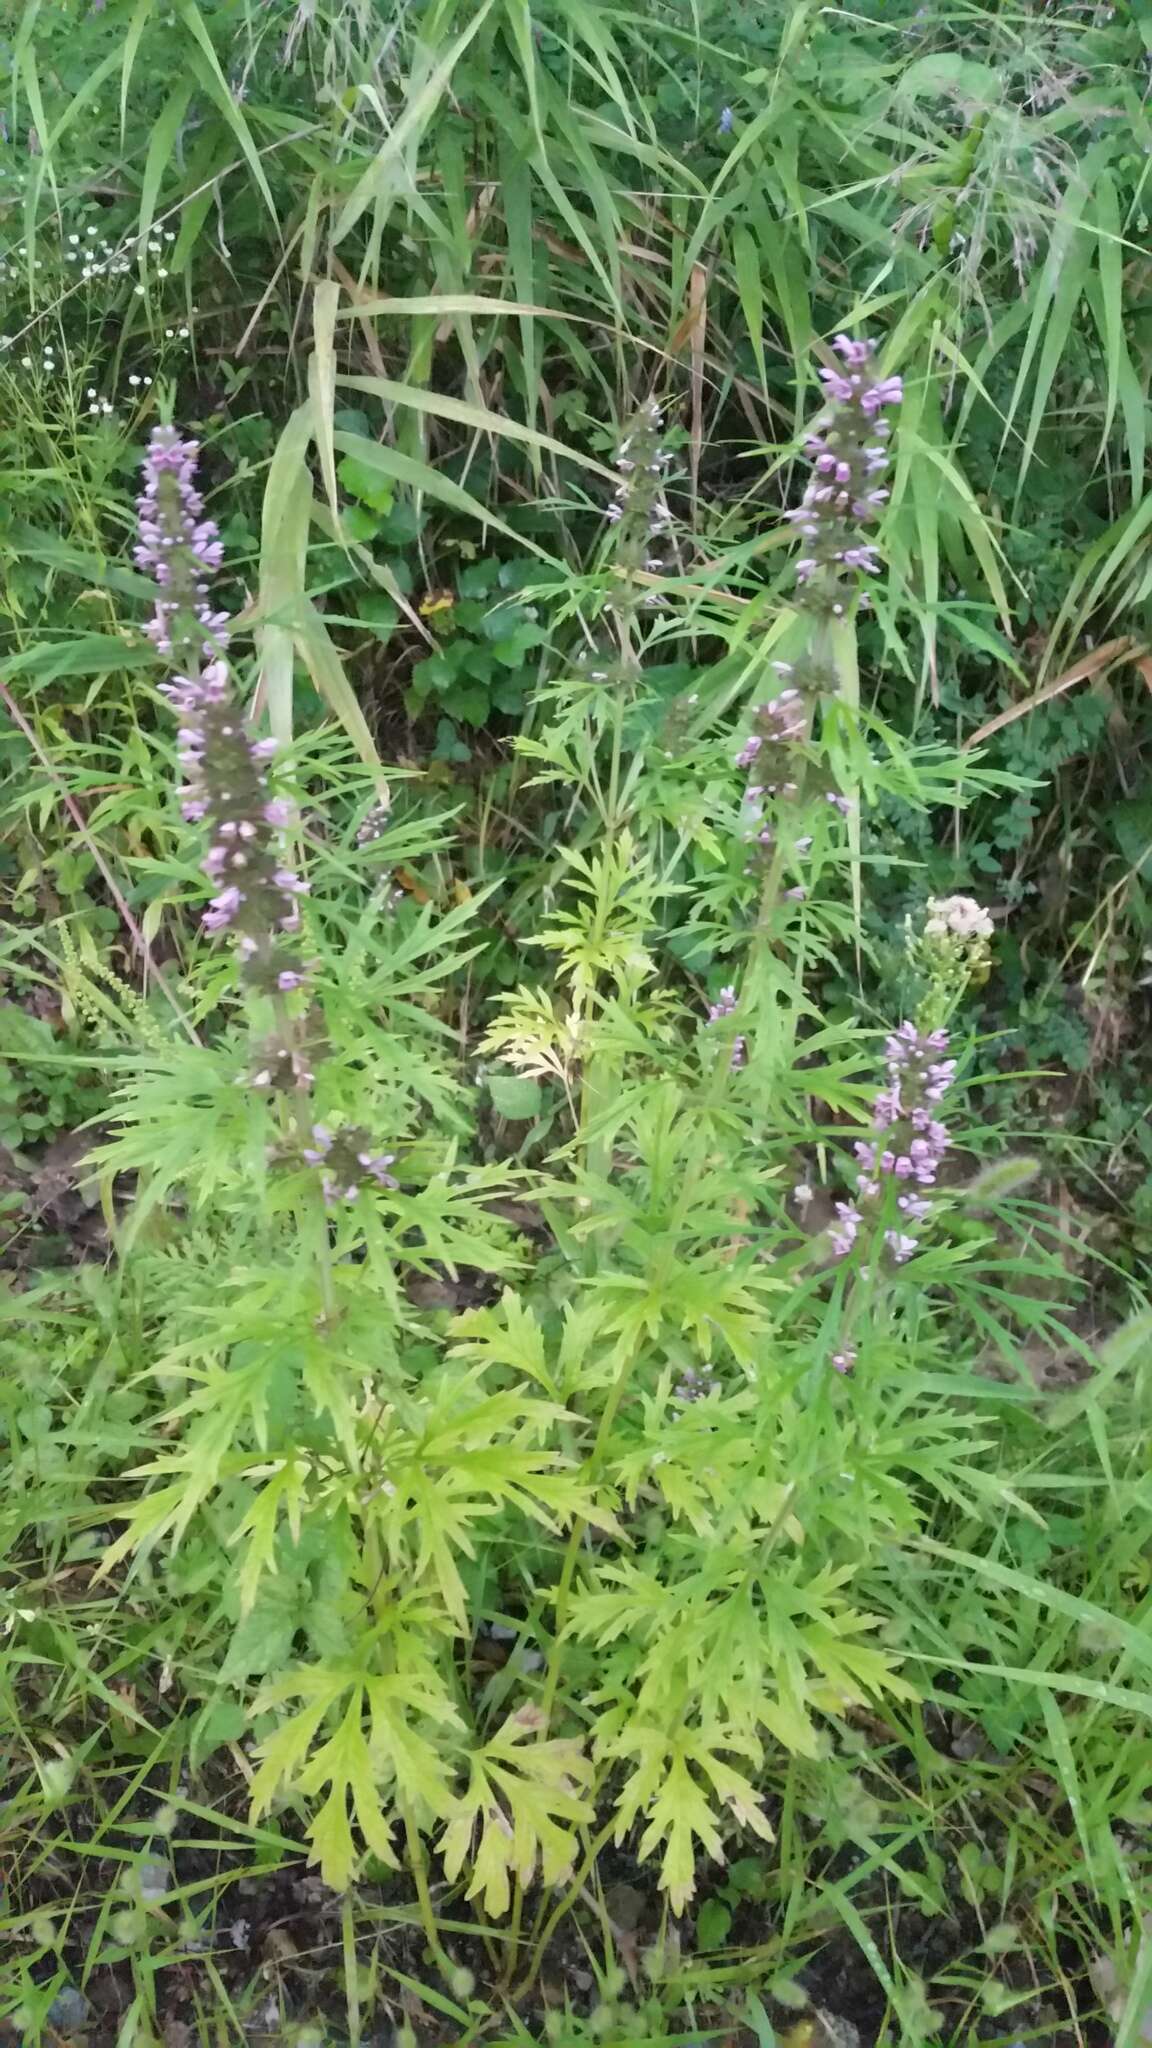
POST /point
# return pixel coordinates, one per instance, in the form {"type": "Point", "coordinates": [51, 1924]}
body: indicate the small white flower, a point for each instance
{"type": "Point", "coordinates": [169, 332]}
{"type": "Point", "coordinates": [139, 290]}
{"type": "Point", "coordinates": [957, 917]}
{"type": "Point", "coordinates": [183, 333]}
{"type": "Point", "coordinates": [161, 272]}
{"type": "Point", "coordinates": [133, 380]}
{"type": "Point", "coordinates": [74, 240]}
{"type": "Point", "coordinates": [91, 391]}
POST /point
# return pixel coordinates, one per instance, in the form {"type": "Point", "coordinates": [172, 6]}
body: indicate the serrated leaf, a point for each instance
{"type": "Point", "coordinates": [680, 1812]}
{"type": "Point", "coordinates": [283, 1495]}
{"type": "Point", "coordinates": [507, 1335]}
{"type": "Point", "coordinates": [525, 1796]}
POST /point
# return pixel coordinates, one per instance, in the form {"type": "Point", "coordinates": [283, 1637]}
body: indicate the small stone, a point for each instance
{"type": "Point", "coordinates": [68, 2010]}
{"type": "Point", "coordinates": [155, 1880]}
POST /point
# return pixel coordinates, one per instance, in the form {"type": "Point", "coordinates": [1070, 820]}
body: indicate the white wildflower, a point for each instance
{"type": "Point", "coordinates": [957, 917]}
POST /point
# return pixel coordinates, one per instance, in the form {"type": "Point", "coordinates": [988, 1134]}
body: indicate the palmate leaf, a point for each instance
{"type": "Point", "coordinates": [456, 1459]}
{"type": "Point", "coordinates": [754, 1652]}
{"type": "Point", "coordinates": [377, 1751]}
{"type": "Point", "coordinates": [665, 1785]}
{"type": "Point", "coordinates": [283, 1495]}
{"type": "Point", "coordinates": [711, 1295]}
{"type": "Point", "coordinates": [534, 1039]}
{"type": "Point", "coordinates": [433, 1512]}
{"type": "Point", "coordinates": [521, 1793]}
{"type": "Point", "coordinates": [228, 1405]}
{"type": "Point", "coordinates": [508, 1335]}
{"type": "Point", "coordinates": [179, 1122]}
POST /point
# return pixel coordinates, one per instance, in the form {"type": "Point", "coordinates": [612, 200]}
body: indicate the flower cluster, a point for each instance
{"type": "Point", "coordinates": [849, 455]}
{"type": "Point", "coordinates": [179, 548]}
{"type": "Point", "coordinates": [957, 917]}
{"type": "Point", "coordinates": [725, 1006]}
{"type": "Point", "coordinates": [345, 1157]}
{"type": "Point", "coordinates": [780, 727]}
{"type": "Point", "coordinates": [910, 1141]}
{"type": "Point", "coordinates": [47, 364]}
{"type": "Point", "coordinates": [84, 260]}
{"type": "Point", "coordinates": [639, 509]}
{"type": "Point", "coordinates": [952, 949]}
{"type": "Point", "coordinates": [99, 406]}
{"type": "Point", "coordinates": [694, 1382]}
{"type": "Point", "coordinates": [258, 892]}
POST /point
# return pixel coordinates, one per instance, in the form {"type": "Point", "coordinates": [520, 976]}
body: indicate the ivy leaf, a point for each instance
{"type": "Point", "coordinates": [377, 610]}
{"type": "Point", "coordinates": [372, 489]}
{"type": "Point", "coordinates": [713, 1922]}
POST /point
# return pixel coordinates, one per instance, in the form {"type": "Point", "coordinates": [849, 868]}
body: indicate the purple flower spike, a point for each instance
{"type": "Point", "coordinates": [847, 455]}
{"type": "Point", "coordinates": [223, 767]}
{"type": "Point", "coordinates": [346, 1155]}
{"type": "Point", "coordinates": [177, 546]}
{"type": "Point", "coordinates": [900, 1246]}
{"type": "Point", "coordinates": [916, 1141]}
{"type": "Point", "coordinates": [843, 1238]}
{"type": "Point", "coordinates": [724, 1006]}
{"type": "Point", "coordinates": [222, 910]}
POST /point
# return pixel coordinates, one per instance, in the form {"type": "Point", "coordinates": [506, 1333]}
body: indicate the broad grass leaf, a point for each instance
{"type": "Point", "coordinates": [424, 94]}
{"type": "Point", "coordinates": [479, 418]}
{"type": "Point", "coordinates": [322, 385]}
{"type": "Point", "coordinates": [206, 66]}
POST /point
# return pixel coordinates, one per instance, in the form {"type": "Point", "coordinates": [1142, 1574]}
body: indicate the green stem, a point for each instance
{"type": "Point", "coordinates": [512, 1938]}
{"type": "Point", "coordinates": [565, 1906]}
{"type": "Point", "coordinates": [576, 1536]}
{"type": "Point", "coordinates": [419, 1865]}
